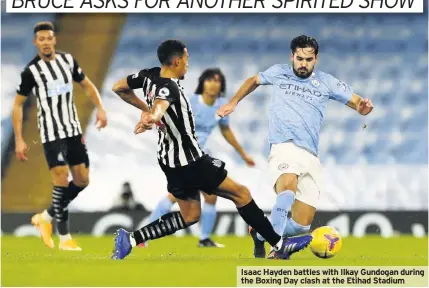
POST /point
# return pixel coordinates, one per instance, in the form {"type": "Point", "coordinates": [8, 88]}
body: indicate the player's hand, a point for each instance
{"type": "Point", "coordinates": [101, 121]}
{"type": "Point", "coordinates": [249, 160]}
{"type": "Point", "coordinates": [21, 150]}
{"type": "Point", "coordinates": [147, 119]}
{"type": "Point", "coordinates": [140, 128]}
{"type": "Point", "coordinates": [146, 122]}
{"type": "Point", "coordinates": [226, 109]}
{"type": "Point", "coordinates": [365, 107]}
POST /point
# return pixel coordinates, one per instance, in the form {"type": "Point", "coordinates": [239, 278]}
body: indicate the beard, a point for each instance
{"type": "Point", "coordinates": [47, 52]}
{"type": "Point", "coordinates": [303, 74]}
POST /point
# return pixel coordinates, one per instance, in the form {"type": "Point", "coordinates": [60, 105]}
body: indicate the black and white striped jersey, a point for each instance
{"type": "Point", "coordinates": [177, 143]}
{"type": "Point", "coordinates": [52, 83]}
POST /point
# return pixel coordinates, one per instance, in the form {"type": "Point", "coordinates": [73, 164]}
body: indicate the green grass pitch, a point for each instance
{"type": "Point", "coordinates": [176, 261]}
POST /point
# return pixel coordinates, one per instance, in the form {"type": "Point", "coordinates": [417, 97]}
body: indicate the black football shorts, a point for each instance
{"type": "Point", "coordinates": [69, 151]}
{"type": "Point", "coordinates": [186, 182]}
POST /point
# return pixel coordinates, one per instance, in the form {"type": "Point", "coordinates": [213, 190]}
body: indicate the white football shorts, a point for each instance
{"type": "Point", "coordinates": [289, 158]}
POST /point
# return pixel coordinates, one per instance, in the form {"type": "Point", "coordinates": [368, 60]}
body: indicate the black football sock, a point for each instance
{"type": "Point", "coordinates": [72, 193]}
{"type": "Point", "coordinates": [51, 211]}
{"type": "Point", "coordinates": [255, 217]}
{"type": "Point", "coordinates": [166, 225]}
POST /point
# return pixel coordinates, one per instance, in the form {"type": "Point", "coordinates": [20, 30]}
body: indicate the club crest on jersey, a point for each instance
{"type": "Point", "coordinates": [315, 83]}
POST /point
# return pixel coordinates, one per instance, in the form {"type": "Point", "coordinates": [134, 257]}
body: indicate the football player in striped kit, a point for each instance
{"type": "Point", "coordinates": [49, 77]}
{"type": "Point", "coordinates": [208, 98]}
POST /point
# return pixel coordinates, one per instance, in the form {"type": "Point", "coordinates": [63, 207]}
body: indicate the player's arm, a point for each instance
{"type": "Point", "coordinates": [164, 97]}
{"type": "Point", "coordinates": [248, 87]}
{"type": "Point", "coordinates": [361, 105]}
{"type": "Point", "coordinates": [124, 88]}
{"type": "Point", "coordinates": [17, 116]}
{"type": "Point", "coordinates": [92, 92]}
{"type": "Point", "coordinates": [23, 90]}
{"type": "Point", "coordinates": [343, 93]}
{"type": "Point", "coordinates": [149, 118]}
{"type": "Point", "coordinates": [230, 138]}
{"type": "Point", "coordinates": [266, 77]}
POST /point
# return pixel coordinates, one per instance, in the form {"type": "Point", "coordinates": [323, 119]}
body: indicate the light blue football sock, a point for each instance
{"type": "Point", "coordinates": [280, 210]}
{"type": "Point", "coordinates": [161, 209]}
{"type": "Point", "coordinates": [208, 218]}
{"type": "Point", "coordinates": [292, 228]}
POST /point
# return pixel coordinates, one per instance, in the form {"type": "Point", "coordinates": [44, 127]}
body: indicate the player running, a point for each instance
{"type": "Point", "coordinates": [187, 168]}
{"type": "Point", "coordinates": [299, 100]}
{"type": "Point", "coordinates": [49, 77]}
{"type": "Point", "coordinates": [208, 98]}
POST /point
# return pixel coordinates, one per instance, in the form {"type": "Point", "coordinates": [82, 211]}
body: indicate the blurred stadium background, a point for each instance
{"type": "Point", "coordinates": [376, 178]}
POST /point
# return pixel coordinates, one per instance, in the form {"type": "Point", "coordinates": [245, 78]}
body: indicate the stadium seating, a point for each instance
{"type": "Point", "coordinates": [386, 62]}
{"type": "Point", "coordinates": [383, 58]}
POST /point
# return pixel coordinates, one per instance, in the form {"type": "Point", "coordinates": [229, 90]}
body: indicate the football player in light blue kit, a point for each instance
{"type": "Point", "coordinates": [299, 99]}
{"type": "Point", "coordinates": [208, 98]}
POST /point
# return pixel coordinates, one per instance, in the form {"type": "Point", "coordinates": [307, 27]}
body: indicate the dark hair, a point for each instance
{"type": "Point", "coordinates": [210, 74]}
{"type": "Point", "coordinates": [168, 49]}
{"type": "Point", "coordinates": [43, 26]}
{"type": "Point", "coordinates": [304, 41]}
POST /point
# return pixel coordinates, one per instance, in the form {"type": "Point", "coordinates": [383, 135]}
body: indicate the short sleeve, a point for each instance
{"type": "Point", "coordinates": [26, 84]}
{"type": "Point", "coordinates": [135, 81]}
{"type": "Point", "coordinates": [267, 77]}
{"type": "Point", "coordinates": [340, 91]}
{"type": "Point", "coordinates": [168, 92]}
{"type": "Point", "coordinates": [78, 74]}
{"type": "Point", "coordinates": [224, 121]}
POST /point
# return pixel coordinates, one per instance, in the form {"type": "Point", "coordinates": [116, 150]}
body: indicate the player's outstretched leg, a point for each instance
{"type": "Point", "coordinates": [298, 224]}
{"type": "Point", "coordinates": [208, 218]}
{"type": "Point", "coordinates": [286, 186]}
{"type": "Point", "coordinates": [161, 209]}
{"type": "Point", "coordinates": [190, 211]}
{"type": "Point", "coordinates": [302, 216]}
{"type": "Point", "coordinates": [254, 216]}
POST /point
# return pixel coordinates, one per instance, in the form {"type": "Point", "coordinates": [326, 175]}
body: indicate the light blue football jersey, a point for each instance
{"type": "Point", "coordinates": [206, 118]}
{"type": "Point", "coordinates": [297, 106]}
